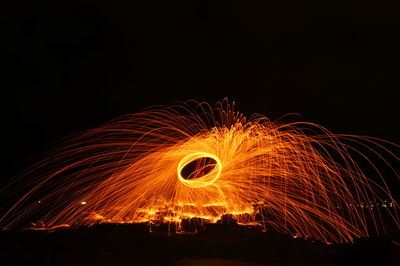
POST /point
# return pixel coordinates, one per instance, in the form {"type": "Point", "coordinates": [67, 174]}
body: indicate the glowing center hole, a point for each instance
{"type": "Point", "coordinates": [198, 168]}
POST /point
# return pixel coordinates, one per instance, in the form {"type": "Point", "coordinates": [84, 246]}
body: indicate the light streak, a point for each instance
{"type": "Point", "coordinates": [287, 177]}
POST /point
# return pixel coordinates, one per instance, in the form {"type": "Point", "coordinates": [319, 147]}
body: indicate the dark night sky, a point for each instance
{"type": "Point", "coordinates": [73, 65]}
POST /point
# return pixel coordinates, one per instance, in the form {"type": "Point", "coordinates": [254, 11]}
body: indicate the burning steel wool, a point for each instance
{"type": "Point", "coordinates": [191, 160]}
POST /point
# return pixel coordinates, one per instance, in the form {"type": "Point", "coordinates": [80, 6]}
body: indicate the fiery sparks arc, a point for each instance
{"type": "Point", "coordinates": [191, 160]}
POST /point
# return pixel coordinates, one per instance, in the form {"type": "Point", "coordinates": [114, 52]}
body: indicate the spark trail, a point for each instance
{"type": "Point", "coordinates": [191, 160]}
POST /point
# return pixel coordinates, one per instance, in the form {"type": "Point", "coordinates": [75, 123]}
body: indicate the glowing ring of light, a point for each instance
{"type": "Point", "coordinates": [205, 180]}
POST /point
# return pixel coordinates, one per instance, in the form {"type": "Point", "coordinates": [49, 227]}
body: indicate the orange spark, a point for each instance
{"type": "Point", "coordinates": [190, 160]}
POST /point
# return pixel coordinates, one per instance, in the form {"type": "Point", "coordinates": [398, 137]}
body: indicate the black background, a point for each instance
{"type": "Point", "coordinates": [69, 66]}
